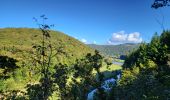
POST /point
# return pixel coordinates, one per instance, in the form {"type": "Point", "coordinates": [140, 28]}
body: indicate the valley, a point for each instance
{"type": "Point", "coordinates": [85, 50]}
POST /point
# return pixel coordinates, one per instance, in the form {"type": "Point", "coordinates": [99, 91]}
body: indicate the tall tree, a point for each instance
{"type": "Point", "coordinates": [43, 57]}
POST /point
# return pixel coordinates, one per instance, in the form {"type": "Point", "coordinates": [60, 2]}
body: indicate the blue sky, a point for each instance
{"type": "Point", "coordinates": [92, 21]}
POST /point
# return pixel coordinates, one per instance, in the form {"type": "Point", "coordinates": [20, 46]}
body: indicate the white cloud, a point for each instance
{"type": "Point", "coordinates": [94, 42]}
{"type": "Point", "coordinates": [84, 41]}
{"type": "Point", "coordinates": [122, 37]}
{"type": "Point", "coordinates": [134, 37]}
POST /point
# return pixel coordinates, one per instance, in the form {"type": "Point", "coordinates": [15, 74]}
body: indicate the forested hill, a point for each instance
{"type": "Point", "coordinates": [146, 72]}
{"type": "Point", "coordinates": [122, 49]}
{"type": "Point", "coordinates": [18, 42]}
{"type": "Point", "coordinates": [26, 52]}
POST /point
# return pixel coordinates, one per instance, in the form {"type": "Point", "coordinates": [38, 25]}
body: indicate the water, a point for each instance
{"type": "Point", "coordinates": [107, 86]}
{"type": "Point", "coordinates": [118, 63]}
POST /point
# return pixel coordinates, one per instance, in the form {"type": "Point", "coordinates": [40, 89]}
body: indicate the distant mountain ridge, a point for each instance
{"type": "Point", "coordinates": [112, 50]}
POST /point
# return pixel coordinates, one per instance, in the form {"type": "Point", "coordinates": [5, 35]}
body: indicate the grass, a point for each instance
{"type": "Point", "coordinates": [119, 60]}
{"type": "Point", "coordinates": [17, 43]}
{"type": "Point", "coordinates": [108, 70]}
{"type": "Point", "coordinates": [113, 67]}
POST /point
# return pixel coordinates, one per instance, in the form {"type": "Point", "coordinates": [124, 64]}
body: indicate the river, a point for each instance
{"type": "Point", "coordinates": [117, 63]}
{"type": "Point", "coordinates": [107, 84]}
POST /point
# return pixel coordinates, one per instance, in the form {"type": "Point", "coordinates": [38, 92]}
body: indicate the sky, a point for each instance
{"type": "Point", "coordinates": [90, 21]}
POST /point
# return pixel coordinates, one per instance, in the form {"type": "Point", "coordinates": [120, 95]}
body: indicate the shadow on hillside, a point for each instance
{"type": "Point", "coordinates": [7, 65]}
{"type": "Point", "coordinates": [110, 74]}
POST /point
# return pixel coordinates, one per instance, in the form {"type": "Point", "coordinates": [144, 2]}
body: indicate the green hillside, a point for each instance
{"type": "Point", "coordinates": [111, 50]}
{"type": "Point", "coordinates": [17, 67]}
{"type": "Point", "coordinates": [17, 43]}
{"type": "Point", "coordinates": [30, 73]}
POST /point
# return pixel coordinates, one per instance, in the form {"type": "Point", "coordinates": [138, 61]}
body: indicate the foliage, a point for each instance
{"type": "Point", "coordinates": [108, 60]}
{"type": "Point", "coordinates": [43, 57]}
{"type": "Point", "coordinates": [160, 3]}
{"type": "Point", "coordinates": [146, 72]}
{"type": "Point", "coordinates": [23, 63]}
{"type": "Point", "coordinates": [155, 51]}
{"type": "Point", "coordinates": [42, 74]}
{"type": "Point", "coordinates": [17, 43]}
{"type": "Point", "coordinates": [84, 71]}
{"type": "Point", "coordinates": [165, 39]}
{"type": "Point", "coordinates": [61, 76]}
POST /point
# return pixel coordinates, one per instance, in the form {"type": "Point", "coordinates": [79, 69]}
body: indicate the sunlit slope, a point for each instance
{"type": "Point", "coordinates": [18, 42]}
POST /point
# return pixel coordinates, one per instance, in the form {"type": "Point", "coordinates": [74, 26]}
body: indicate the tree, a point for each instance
{"type": "Point", "coordinates": [96, 61]}
{"type": "Point", "coordinates": [165, 39]}
{"type": "Point", "coordinates": [157, 51]}
{"type": "Point", "coordinates": [160, 3]}
{"type": "Point", "coordinates": [147, 75]}
{"type": "Point", "coordinates": [43, 54]}
{"type": "Point", "coordinates": [136, 57]}
{"type": "Point", "coordinates": [84, 71]}
{"type": "Point", "coordinates": [61, 76]}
